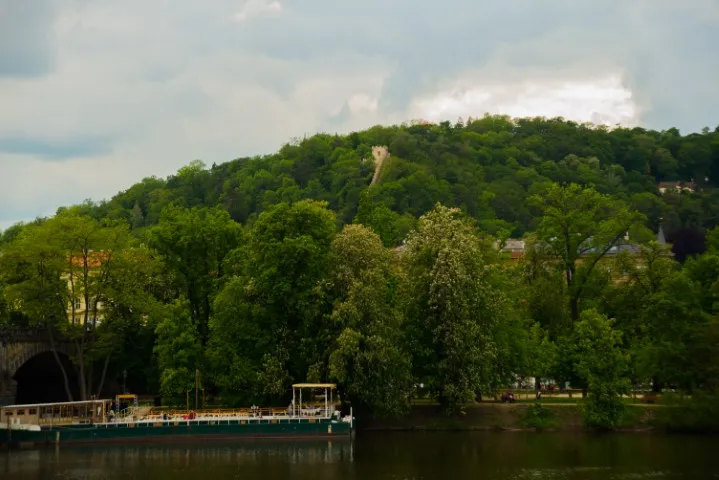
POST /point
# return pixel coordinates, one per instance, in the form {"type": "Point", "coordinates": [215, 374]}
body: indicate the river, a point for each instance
{"type": "Point", "coordinates": [379, 456]}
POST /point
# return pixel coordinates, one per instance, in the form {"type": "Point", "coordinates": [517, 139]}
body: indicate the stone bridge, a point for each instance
{"type": "Point", "coordinates": [17, 346]}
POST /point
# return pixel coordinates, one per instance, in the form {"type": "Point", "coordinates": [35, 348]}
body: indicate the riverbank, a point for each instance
{"type": "Point", "coordinates": [509, 417]}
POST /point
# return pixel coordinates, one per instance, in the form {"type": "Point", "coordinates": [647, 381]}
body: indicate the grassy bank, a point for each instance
{"type": "Point", "coordinates": [510, 417]}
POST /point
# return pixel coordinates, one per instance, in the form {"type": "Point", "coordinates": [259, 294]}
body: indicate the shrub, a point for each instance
{"type": "Point", "coordinates": [696, 414]}
{"type": "Point", "coordinates": [539, 417]}
{"type": "Point", "coordinates": [602, 412]}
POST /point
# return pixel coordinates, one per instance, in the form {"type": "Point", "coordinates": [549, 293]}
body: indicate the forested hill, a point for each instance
{"type": "Point", "coordinates": [223, 270]}
{"type": "Point", "coordinates": [488, 167]}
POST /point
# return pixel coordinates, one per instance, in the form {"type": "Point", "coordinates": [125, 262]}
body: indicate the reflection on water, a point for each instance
{"type": "Point", "coordinates": [515, 456]}
{"type": "Point", "coordinates": [210, 461]}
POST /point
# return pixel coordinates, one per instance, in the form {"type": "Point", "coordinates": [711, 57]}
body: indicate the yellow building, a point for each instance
{"type": "Point", "coordinates": [77, 307]}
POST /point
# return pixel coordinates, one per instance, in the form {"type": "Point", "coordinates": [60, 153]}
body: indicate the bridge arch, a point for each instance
{"type": "Point", "coordinates": [40, 379]}
{"type": "Point", "coordinates": [27, 357]}
{"type": "Point", "coordinates": [23, 352]}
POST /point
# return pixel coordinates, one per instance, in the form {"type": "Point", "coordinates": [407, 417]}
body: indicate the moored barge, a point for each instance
{"type": "Point", "coordinates": [95, 421]}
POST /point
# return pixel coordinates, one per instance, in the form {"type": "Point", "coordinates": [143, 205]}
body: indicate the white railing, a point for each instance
{"type": "Point", "coordinates": [244, 415]}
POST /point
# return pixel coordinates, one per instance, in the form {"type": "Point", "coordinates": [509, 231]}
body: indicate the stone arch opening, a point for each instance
{"type": "Point", "coordinates": [39, 379]}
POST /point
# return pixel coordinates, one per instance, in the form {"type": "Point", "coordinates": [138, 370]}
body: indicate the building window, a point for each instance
{"type": "Point", "coordinates": [78, 304]}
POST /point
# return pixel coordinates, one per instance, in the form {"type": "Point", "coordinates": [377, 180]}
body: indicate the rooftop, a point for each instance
{"type": "Point", "coordinates": [36, 405]}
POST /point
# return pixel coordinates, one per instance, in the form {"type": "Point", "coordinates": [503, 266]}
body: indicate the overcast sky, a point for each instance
{"type": "Point", "coordinates": [96, 94]}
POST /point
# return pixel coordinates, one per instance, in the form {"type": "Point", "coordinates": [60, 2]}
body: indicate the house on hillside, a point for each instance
{"type": "Point", "coordinates": [608, 262]}
{"type": "Point", "coordinates": [677, 187]}
{"type": "Point", "coordinates": [514, 249]}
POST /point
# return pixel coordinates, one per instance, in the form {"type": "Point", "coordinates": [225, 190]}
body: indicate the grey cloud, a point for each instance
{"type": "Point", "coordinates": [54, 150]}
{"type": "Point", "coordinates": [26, 28]}
{"type": "Point", "coordinates": [340, 119]}
{"type": "Point", "coordinates": [675, 67]}
{"type": "Point", "coordinates": [159, 83]}
{"type": "Point", "coordinates": [426, 42]}
{"type": "Point", "coordinates": [665, 51]}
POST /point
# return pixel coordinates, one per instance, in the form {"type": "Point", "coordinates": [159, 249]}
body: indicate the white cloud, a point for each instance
{"type": "Point", "coordinates": [254, 8]}
{"type": "Point", "coordinates": [597, 100]}
{"type": "Point", "coordinates": [362, 102]}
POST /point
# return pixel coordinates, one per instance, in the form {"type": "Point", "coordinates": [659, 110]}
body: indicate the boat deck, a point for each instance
{"type": "Point", "coordinates": [214, 420]}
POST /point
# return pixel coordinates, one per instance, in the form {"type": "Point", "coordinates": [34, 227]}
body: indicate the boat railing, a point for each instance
{"type": "Point", "coordinates": [163, 414]}
{"type": "Point", "coordinates": [50, 420]}
{"type": "Point", "coordinates": [211, 413]}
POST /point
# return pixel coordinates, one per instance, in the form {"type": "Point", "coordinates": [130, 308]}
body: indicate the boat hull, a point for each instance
{"type": "Point", "coordinates": [178, 431]}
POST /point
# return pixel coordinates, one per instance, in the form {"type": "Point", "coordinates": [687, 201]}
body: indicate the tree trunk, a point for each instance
{"type": "Point", "coordinates": [90, 374]}
{"type": "Point", "coordinates": [102, 376]}
{"type": "Point", "coordinates": [574, 308]}
{"type": "Point", "coordinates": [656, 385]}
{"type": "Point", "coordinates": [81, 380]}
{"type": "Point", "coordinates": [65, 380]}
{"type": "Point", "coordinates": [204, 333]}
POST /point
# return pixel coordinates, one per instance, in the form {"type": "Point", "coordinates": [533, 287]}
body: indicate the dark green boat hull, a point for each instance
{"type": "Point", "coordinates": [179, 431]}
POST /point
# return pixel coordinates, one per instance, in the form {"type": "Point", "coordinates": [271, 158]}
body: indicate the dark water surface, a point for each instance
{"type": "Point", "coordinates": [446, 456]}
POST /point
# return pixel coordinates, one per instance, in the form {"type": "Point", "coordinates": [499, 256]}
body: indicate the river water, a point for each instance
{"type": "Point", "coordinates": [375, 456]}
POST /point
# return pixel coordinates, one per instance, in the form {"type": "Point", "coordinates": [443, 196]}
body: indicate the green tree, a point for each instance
{"type": "Point", "coordinates": [540, 353]}
{"type": "Point", "coordinates": [454, 307]}
{"type": "Point", "coordinates": [247, 362]}
{"type": "Point", "coordinates": [178, 350]}
{"type": "Point", "coordinates": [368, 357]}
{"type": "Point", "coordinates": [389, 225]}
{"type": "Point", "coordinates": [128, 302]}
{"type": "Point", "coordinates": [603, 364]}
{"type": "Point", "coordinates": [193, 244]}
{"type": "Point", "coordinates": [89, 249]}
{"type": "Point", "coordinates": [578, 227]}
{"type": "Point", "coordinates": [61, 273]}
{"type": "Point", "coordinates": [31, 267]}
{"type": "Point", "coordinates": [627, 301]}
{"type": "Point", "coordinates": [675, 323]}
{"type": "Point", "coordinates": [544, 289]}
{"type": "Point", "coordinates": [287, 262]}
{"type": "Point", "coordinates": [277, 304]}
{"type": "Point", "coordinates": [712, 240]}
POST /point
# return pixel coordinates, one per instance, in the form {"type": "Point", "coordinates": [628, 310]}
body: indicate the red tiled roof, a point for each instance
{"type": "Point", "coordinates": [94, 259]}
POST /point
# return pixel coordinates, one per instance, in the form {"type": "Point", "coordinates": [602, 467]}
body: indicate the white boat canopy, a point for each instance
{"type": "Point", "coordinates": [315, 385]}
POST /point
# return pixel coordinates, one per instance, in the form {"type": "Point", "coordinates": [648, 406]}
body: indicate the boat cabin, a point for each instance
{"type": "Point", "coordinates": [319, 400]}
{"type": "Point", "coordinates": [66, 413]}
{"type": "Point", "coordinates": [126, 402]}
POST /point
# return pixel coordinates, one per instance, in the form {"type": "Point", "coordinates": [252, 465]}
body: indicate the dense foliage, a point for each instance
{"type": "Point", "coordinates": [318, 263]}
{"type": "Point", "coordinates": [488, 167]}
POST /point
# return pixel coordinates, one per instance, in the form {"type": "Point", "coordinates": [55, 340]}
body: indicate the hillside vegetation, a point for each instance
{"type": "Point", "coordinates": [488, 168]}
